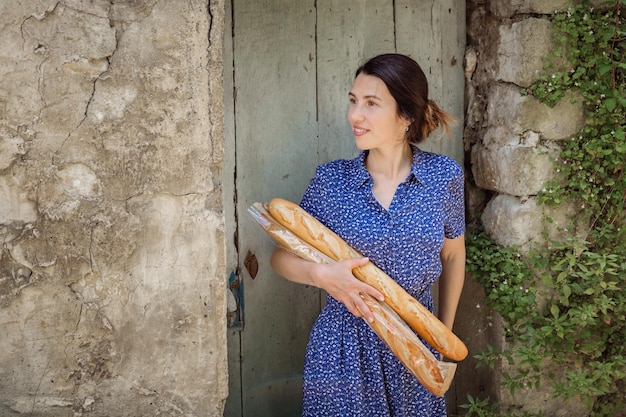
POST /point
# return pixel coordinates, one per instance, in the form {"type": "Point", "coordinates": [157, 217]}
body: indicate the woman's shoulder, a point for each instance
{"type": "Point", "coordinates": [438, 163]}
{"type": "Point", "coordinates": [339, 169]}
{"type": "Point", "coordinates": [339, 164]}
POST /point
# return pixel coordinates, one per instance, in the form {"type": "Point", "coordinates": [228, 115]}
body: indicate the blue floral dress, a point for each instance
{"type": "Point", "coordinates": [349, 371]}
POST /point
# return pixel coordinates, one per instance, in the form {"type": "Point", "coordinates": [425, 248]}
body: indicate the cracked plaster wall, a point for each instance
{"type": "Point", "coordinates": [111, 226]}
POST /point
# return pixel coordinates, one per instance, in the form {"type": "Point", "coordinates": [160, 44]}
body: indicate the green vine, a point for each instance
{"type": "Point", "coordinates": [565, 303]}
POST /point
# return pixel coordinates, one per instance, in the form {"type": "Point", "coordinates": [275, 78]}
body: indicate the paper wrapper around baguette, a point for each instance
{"type": "Point", "coordinates": [435, 375]}
{"type": "Point", "coordinates": [312, 231]}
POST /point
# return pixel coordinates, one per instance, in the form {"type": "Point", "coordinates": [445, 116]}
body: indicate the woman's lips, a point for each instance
{"type": "Point", "coordinates": [358, 131]}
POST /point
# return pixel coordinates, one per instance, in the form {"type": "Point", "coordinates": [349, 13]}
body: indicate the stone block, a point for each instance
{"type": "Point", "coordinates": [508, 8]}
{"type": "Point", "coordinates": [560, 122]}
{"type": "Point", "coordinates": [507, 106]}
{"type": "Point", "coordinates": [512, 221]}
{"type": "Point", "coordinates": [523, 50]}
{"type": "Point", "coordinates": [503, 103]}
{"type": "Point", "coordinates": [514, 168]}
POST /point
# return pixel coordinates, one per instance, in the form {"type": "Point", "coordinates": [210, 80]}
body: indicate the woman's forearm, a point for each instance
{"type": "Point", "coordinates": [293, 268]}
{"type": "Point", "coordinates": [452, 279]}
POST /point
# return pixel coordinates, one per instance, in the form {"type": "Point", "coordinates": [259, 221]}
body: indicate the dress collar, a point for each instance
{"type": "Point", "coordinates": [360, 176]}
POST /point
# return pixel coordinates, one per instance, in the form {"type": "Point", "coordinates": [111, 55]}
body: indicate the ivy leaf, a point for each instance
{"type": "Point", "coordinates": [605, 68]}
{"type": "Point", "coordinates": [610, 104]}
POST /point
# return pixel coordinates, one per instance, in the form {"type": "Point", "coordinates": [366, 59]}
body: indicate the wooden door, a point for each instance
{"type": "Point", "coordinates": [288, 68]}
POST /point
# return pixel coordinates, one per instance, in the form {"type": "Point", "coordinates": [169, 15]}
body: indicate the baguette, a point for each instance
{"type": "Point", "coordinates": [312, 231]}
{"type": "Point", "coordinates": [436, 376]}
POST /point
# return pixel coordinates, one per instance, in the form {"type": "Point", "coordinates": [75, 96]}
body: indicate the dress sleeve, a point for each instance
{"type": "Point", "coordinates": [315, 194]}
{"type": "Point", "coordinates": [454, 225]}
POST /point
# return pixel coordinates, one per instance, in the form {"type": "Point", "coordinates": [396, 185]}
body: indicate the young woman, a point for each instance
{"type": "Point", "coordinates": [401, 207]}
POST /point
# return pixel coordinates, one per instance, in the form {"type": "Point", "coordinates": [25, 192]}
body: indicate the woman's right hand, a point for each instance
{"type": "Point", "coordinates": [339, 282]}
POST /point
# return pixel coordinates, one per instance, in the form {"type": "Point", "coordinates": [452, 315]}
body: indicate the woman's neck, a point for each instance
{"type": "Point", "coordinates": [390, 163]}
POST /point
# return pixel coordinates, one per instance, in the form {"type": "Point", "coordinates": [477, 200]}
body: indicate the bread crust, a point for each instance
{"type": "Point", "coordinates": [433, 374]}
{"type": "Point", "coordinates": [312, 231]}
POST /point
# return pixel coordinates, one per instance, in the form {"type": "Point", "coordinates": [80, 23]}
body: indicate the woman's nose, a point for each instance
{"type": "Point", "coordinates": [355, 114]}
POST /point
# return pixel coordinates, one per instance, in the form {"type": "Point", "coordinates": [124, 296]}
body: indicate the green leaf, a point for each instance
{"type": "Point", "coordinates": [567, 291]}
{"type": "Point", "coordinates": [605, 68]}
{"type": "Point", "coordinates": [554, 309]}
{"type": "Point", "coordinates": [610, 104]}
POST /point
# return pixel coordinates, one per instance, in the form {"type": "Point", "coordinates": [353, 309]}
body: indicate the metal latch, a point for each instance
{"type": "Point", "coordinates": [235, 302]}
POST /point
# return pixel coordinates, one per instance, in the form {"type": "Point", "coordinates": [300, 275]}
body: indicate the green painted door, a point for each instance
{"type": "Point", "coordinates": [288, 68]}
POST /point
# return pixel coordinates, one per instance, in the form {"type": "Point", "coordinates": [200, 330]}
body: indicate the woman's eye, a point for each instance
{"type": "Point", "coordinates": [371, 104]}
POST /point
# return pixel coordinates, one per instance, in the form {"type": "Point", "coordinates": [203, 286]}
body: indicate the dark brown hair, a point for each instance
{"type": "Point", "coordinates": [409, 87]}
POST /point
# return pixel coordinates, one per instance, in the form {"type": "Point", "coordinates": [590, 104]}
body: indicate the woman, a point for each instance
{"type": "Point", "coordinates": [403, 209]}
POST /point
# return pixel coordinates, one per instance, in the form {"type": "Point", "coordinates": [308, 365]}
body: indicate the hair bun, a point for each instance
{"type": "Point", "coordinates": [434, 117]}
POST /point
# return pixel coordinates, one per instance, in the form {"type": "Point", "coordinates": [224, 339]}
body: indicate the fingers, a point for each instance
{"type": "Point", "coordinates": [342, 285]}
{"type": "Point", "coordinates": [365, 288]}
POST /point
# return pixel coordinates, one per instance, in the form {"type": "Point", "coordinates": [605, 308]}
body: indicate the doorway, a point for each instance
{"type": "Point", "coordinates": [288, 68]}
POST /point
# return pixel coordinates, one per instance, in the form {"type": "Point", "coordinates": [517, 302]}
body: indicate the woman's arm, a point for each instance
{"type": "Point", "coordinates": [336, 279]}
{"type": "Point", "coordinates": [452, 278]}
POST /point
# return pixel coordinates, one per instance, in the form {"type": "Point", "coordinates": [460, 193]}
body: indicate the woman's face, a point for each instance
{"type": "Point", "coordinates": [373, 114]}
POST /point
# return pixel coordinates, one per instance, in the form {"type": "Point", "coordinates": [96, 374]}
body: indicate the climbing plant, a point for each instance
{"type": "Point", "coordinates": [564, 303]}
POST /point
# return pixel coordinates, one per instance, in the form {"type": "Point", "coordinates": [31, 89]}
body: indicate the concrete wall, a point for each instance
{"type": "Point", "coordinates": [112, 264]}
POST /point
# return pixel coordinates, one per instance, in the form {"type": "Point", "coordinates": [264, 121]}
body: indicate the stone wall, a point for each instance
{"type": "Point", "coordinates": [112, 264]}
{"type": "Point", "coordinates": [512, 143]}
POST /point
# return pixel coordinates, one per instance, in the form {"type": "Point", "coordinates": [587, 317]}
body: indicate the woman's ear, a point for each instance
{"type": "Point", "coordinates": [408, 121]}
